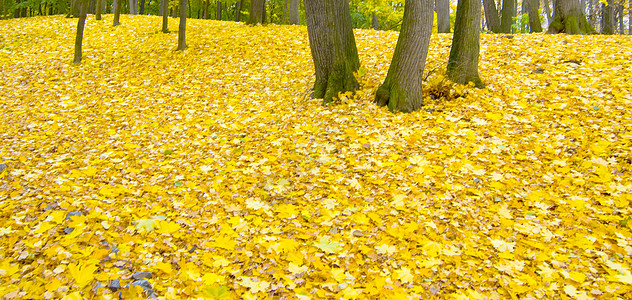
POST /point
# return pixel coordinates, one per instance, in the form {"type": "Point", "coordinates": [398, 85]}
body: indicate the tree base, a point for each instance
{"type": "Point", "coordinates": [574, 23]}
{"type": "Point", "coordinates": [340, 80]}
{"type": "Point", "coordinates": [397, 99]}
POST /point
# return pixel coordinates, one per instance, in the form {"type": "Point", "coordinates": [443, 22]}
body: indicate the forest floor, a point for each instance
{"type": "Point", "coordinates": [212, 171]}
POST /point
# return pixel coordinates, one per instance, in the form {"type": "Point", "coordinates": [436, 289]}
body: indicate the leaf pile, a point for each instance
{"type": "Point", "coordinates": [210, 174]}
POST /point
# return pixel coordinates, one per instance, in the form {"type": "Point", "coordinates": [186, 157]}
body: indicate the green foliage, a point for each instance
{"type": "Point", "coordinates": [388, 12]}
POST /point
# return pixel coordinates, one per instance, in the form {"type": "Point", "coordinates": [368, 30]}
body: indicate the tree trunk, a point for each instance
{"type": "Point", "coordinates": [133, 4]}
{"type": "Point", "coordinates": [547, 12]}
{"type": "Point", "coordinates": [285, 12]}
{"type": "Point", "coordinates": [463, 62]}
{"type": "Point", "coordinates": [442, 7]}
{"type": "Point", "coordinates": [165, 15]}
{"type": "Point", "coordinates": [607, 18]}
{"type": "Point", "coordinates": [568, 18]}
{"type": "Point", "coordinates": [141, 7]}
{"type": "Point", "coordinates": [508, 15]}
{"type": "Point", "coordinates": [218, 15]}
{"type": "Point", "coordinates": [333, 48]}
{"type": "Point", "coordinates": [375, 22]}
{"type": "Point", "coordinates": [83, 7]}
{"type": "Point", "coordinates": [401, 90]}
{"type": "Point", "coordinates": [621, 27]}
{"type": "Point", "coordinates": [629, 17]}
{"type": "Point", "coordinates": [98, 8]}
{"type": "Point", "coordinates": [492, 19]}
{"type": "Point", "coordinates": [183, 26]}
{"type": "Point", "coordinates": [294, 9]}
{"type": "Point", "coordinates": [117, 13]}
{"type": "Point", "coordinates": [238, 11]}
{"type": "Point", "coordinates": [73, 12]}
{"type": "Point", "coordinates": [92, 7]}
{"type": "Point", "coordinates": [534, 15]}
{"type": "Point", "coordinates": [257, 12]}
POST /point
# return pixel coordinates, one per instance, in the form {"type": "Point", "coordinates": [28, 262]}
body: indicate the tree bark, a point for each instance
{"type": "Point", "coordinates": [285, 12]}
{"type": "Point", "coordinates": [375, 22]}
{"type": "Point", "coordinates": [294, 12]}
{"type": "Point", "coordinates": [508, 15]}
{"type": "Point", "coordinates": [238, 11]}
{"type": "Point", "coordinates": [141, 7]}
{"type": "Point", "coordinates": [492, 19]}
{"type": "Point", "coordinates": [165, 15]}
{"type": "Point", "coordinates": [629, 17]}
{"type": "Point", "coordinates": [607, 18]}
{"type": "Point", "coordinates": [218, 14]}
{"type": "Point", "coordinates": [568, 18]}
{"type": "Point", "coordinates": [401, 90]}
{"type": "Point", "coordinates": [83, 7]}
{"type": "Point", "coordinates": [183, 26]}
{"type": "Point", "coordinates": [532, 7]}
{"type": "Point", "coordinates": [117, 13]}
{"type": "Point", "coordinates": [133, 5]}
{"type": "Point", "coordinates": [463, 62]}
{"type": "Point", "coordinates": [442, 7]}
{"type": "Point", "coordinates": [547, 12]}
{"type": "Point", "coordinates": [333, 48]}
{"type": "Point", "coordinates": [257, 12]}
{"type": "Point", "coordinates": [98, 8]}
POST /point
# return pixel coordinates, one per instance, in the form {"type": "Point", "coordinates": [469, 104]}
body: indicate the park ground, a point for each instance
{"type": "Point", "coordinates": [213, 171]}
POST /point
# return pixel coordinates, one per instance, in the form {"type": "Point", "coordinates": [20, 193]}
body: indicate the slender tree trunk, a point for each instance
{"type": "Point", "coordinates": [375, 22]}
{"type": "Point", "coordinates": [133, 4]}
{"type": "Point", "coordinates": [73, 12]}
{"type": "Point", "coordinates": [534, 15]}
{"type": "Point", "coordinates": [92, 7]}
{"type": "Point", "coordinates": [568, 18]}
{"type": "Point", "coordinates": [621, 27]}
{"type": "Point", "coordinates": [463, 62]}
{"type": "Point", "coordinates": [285, 11]}
{"type": "Point", "coordinates": [629, 17]}
{"type": "Point", "coordinates": [491, 16]}
{"type": "Point", "coordinates": [183, 26]}
{"type": "Point", "coordinates": [117, 12]}
{"type": "Point", "coordinates": [190, 15]}
{"type": "Point", "coordinates": [294, 9]}
{"type": "Point", "coordinates": [547, 12]}
{"type": "Point", "coordinates": [83, 7]}
{"type": "Point", "coordinates": [98, 13]}
{"type": "Point", "coordinates": [508, 15]}
{"type": "Point", "coordinates": [238, 11]}
{"type": "Point", "coordinates": [165, 15]}
{"type": "Point", "coordinates": [333, 47]}
{"type": "Point", "coordinates": [442, 7]}
{"type": "Point", "coordinates": [401, 90]}
{"type": "Point", "coordinates": [219, 11]}
{"type": "Point", "coordinates": [141, 7]}
{"type": "Point", "coordinates": [607, 18]}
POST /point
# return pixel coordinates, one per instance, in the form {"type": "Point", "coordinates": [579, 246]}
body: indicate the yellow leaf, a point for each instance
{"type": "Point", "coordinates": [82, 273]}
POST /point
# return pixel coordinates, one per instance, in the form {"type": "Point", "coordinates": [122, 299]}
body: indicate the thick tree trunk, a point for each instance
{"type": "Point", "coordinates": [492, 19]}
{"type": "Point", "coordinates": [463, 62]}
{"type": "Point", "coordinates": [375, 22]}
{"type": "Point", "coordinates": [568, 18]}
{"type": "Point", "coordinates": [117, 13]}
{"type": "Point", "coordinates": [257, 12]}
{"type": "Point", "coordinates": [534, 15]}
{"type": "Point", "coordinates": [401, 90]}
{"type": "Point", "coordinates": [508, 15]}
{"type": "Point", "coordinates": [98, 8]}
{"type": "Point", "coordinates": [333, 47]}
{"type": "Point", "coordinates": [83, 7]}
{"type": "Point", "coordinates": [607, 18]}
{"type": "Point", "coordinates": [238, 11]}
{"type": "Point", "coordinates": [218, 14]}
{"type": "Point", "coordinates": [294, 11]}
{"type": "Point", "coordinates": [182, 44]}
{"type": "Point", "coordinates": [165, 15]}
{"type": "Point", "coordinates": [442, 7]}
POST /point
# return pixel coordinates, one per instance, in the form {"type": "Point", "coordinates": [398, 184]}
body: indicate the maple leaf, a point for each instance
{"type": "Point", "coordinates": [327, 245]}
{"type": "Point", "coordinates": [83, 273]}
